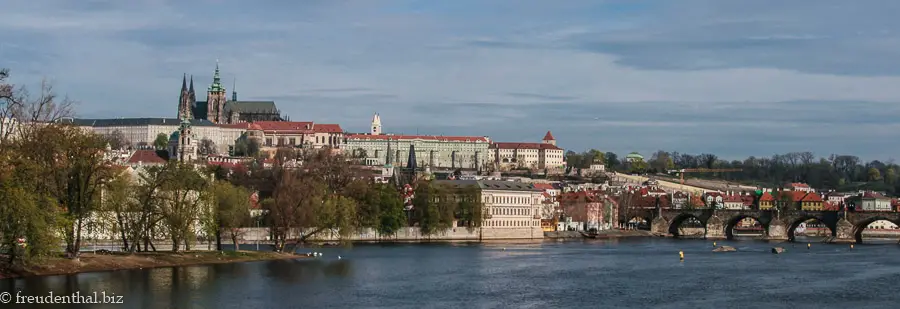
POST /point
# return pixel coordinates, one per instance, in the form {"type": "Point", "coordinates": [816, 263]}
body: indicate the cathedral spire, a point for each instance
{"type": "Point", "coordinates": [217, 81]}
{"type": "Point", "coordinates": [234, 89]}
{"type": "Point", "coordinates": [184, 82]}
{"type": "Point", "coordinates": [192, 84]}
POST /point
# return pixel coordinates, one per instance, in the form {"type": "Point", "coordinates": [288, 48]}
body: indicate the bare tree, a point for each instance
{"type": "Point", "coordinates": [117, 140]}
{"type": "Point", "coordinates": [207, 147]}
{"type": "Point", "coordinates": [18, 106]}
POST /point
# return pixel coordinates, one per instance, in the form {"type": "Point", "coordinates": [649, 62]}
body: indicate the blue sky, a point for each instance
{"type": "Point", "coordinates": [735, 78]}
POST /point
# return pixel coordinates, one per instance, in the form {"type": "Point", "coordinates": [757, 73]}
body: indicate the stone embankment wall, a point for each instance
{"type": "Point", "coordinates": [413, 234]}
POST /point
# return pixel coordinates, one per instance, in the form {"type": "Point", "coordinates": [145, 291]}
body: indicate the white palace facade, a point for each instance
{"type": "Point", "coordinates": [435, 151]}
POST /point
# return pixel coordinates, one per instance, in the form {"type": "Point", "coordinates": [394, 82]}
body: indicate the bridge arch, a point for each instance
{"type": "Point", "coordinates": [638, 222]}
{"type": "Point", "coordinates": [795, 222]}
{"type": "Point", "coordinates": [682, 218]}
{"type": "Point", "coordinates": [733, 222]}
{"type": "Point", "coordinates": [861, 225]}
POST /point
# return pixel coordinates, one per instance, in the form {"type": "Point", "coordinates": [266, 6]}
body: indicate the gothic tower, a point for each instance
{"type": "Point", "coordinates": [184, 101]}
{"type": "Point", "coordinates": [215, 99]}
{"type": "Point", "coordinates": [376, 125]}
{"type": "Point", "coordinates": [234, 90]}
{"type": "Point", "coordinates": [193, 100]}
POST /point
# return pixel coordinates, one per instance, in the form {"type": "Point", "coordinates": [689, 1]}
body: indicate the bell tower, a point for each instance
{"type": "Point", "coordinates": [215, 99]}
{"type": "Point", "coordinates": [376, 125]}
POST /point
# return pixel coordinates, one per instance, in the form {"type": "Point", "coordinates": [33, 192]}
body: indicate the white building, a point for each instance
{"type": "Point", "coordinates": [297, 134]}
{"type": "Point", "coordinates": [511, 209]}
{"type": "Point", "coordinates": [871, 201]}
{"type": "Point", "coordinates": [143, 131]}
{"type": "Point", "coordinates": [543, 155]}
{"type": "Point", "coordinates": [436, 151]}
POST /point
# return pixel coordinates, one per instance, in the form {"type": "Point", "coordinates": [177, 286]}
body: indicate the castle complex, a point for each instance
{"type": "Point", "coordinates": [454, 152]}
{"type": "Point", "coordinates": [223, 120]}
{"type": "Point", "coordinates": [218, 109]}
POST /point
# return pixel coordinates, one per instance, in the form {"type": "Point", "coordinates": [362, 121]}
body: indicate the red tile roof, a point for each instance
{"type": "Point", "coordinates": [282, 125]}
{"type": "Point", "coordinates": [830, 206]}
{"type": "Point", "coordinates": [440, 138]}
{"type": "Point", "coordinates": [811, 197]}
{"type": "Point", "coordinates": [577, 197]}
{"type": "Point", "coordinates": [732, 198]}
{"type": "Point", "coordinates": [747, 200]}
{"type": "Point", "coordinates": [872, 195]}
{"type": "Point", "coordinates": [301, 127]}
{"type": "Point", "coordinates": [543, 186]}
{"type": "Point", "coordinates": [507, 145]}
{"type": "Point", "coordinates": [766, 197]}
{"type": "Point", "coordinates": [799, 185]}
{"type": "Point", "coordinates": [548, 137]}
{"type": "Point", "coordinates": [146, 157]}
{"type": "Point", "coordinates": [327, 128]}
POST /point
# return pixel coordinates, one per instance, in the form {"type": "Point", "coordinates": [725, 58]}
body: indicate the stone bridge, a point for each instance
{"type": "Point", "coordinates": [846, 227]}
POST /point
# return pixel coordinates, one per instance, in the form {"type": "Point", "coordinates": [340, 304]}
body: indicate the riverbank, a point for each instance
{"type": "Point", "coordinates": [600, 234]}
{"type": "Point", "coordinates": [95, 262]}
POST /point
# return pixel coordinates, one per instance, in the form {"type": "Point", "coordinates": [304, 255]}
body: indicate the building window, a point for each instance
{"type": "Point", "coordinates": [293, 141]}
{"type": "Point", "coordinates": [268, 142]}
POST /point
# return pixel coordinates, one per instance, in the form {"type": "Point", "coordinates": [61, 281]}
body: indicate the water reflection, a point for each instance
{"type": "Point", "coordinates": [207, 286]}
{"type": "Point", "coordinates": [620, 273]}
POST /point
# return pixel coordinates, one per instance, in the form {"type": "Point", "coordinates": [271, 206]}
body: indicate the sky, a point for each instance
{"type": "Point", "coordinates": [733, 78]}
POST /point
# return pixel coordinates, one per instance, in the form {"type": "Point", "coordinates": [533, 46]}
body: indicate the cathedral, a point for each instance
{"type": "Point", "coordinates": [218, 108]}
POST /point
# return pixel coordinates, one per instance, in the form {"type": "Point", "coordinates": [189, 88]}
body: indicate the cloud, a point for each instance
{"type": "Point", "coordinates": [735, 78]}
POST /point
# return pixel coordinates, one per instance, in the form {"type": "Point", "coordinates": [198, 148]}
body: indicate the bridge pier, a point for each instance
{"type": "Point", "coordinates": [777, 230]}
{"type": "Point", "coordinates": [659, 226]}
{"type": "Point", "coordinates": [844, 232]}
{"type": "Point", "coordinates": [715, 228]}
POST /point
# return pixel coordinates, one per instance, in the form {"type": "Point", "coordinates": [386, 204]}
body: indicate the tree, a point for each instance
{"type": "Point", "coordinates": [637, 166]}
{"type": "Point", "coordinates": [295, 200]}
{"type": "Point", "coordinates": [184, 195]}
{"type": "Point", "coordinates": [469, 207]}
{"type": "Point", "coordinates": [32, 208]}
{"type": "Point", "coordinates": [119, 202]}
{"type": "Point", "coordinates": [73, 168]}
{"type": "Point", "coordinates": [890, 175]}
{"type": "Point", "coordinates": [438, 206]}
{"type": "Point", "coordinates": [431, 208]}
{"type": "Point", "coordinates": [391, 216]}
{"type": "Point", "coordinates": [207, 147]}
{"type": "Point", "coordinates": [661, 162]}
{"type": "Point", "coordinates": [25, 215]}
{"type": "Point", "coordinates": [161, 142]}
{"type": "Point", "coordinates": [117, 140]}
{"type": "Point", "coordinates": [231, 211]}
{"type": "Point", "coordinates": [612, 160]}
{"type": "Point", "coordinates": [874, 174]}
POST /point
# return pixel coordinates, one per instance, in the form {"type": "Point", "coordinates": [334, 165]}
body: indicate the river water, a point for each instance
{"type": "Point", "coordinates": [627, 273]}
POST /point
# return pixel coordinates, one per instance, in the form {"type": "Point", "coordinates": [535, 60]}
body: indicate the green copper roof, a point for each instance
{"type": "Point", "coordinates": [217, 81]}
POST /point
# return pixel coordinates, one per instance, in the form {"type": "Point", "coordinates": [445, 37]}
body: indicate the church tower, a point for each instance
{"type": "Point", "coordinates": [184, 101]}
{"type": "Point", "coordinates": [182, 144]}
{"type": "Point", "coordinates": [193, 100]}
{"type": "Point", "coordinates": [215, 99]}
{"type": "Point", "coordinates": [376, 125]}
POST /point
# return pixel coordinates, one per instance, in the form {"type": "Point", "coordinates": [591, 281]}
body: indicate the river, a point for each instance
{"type": "Point", "coordinates": [626, 273]}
